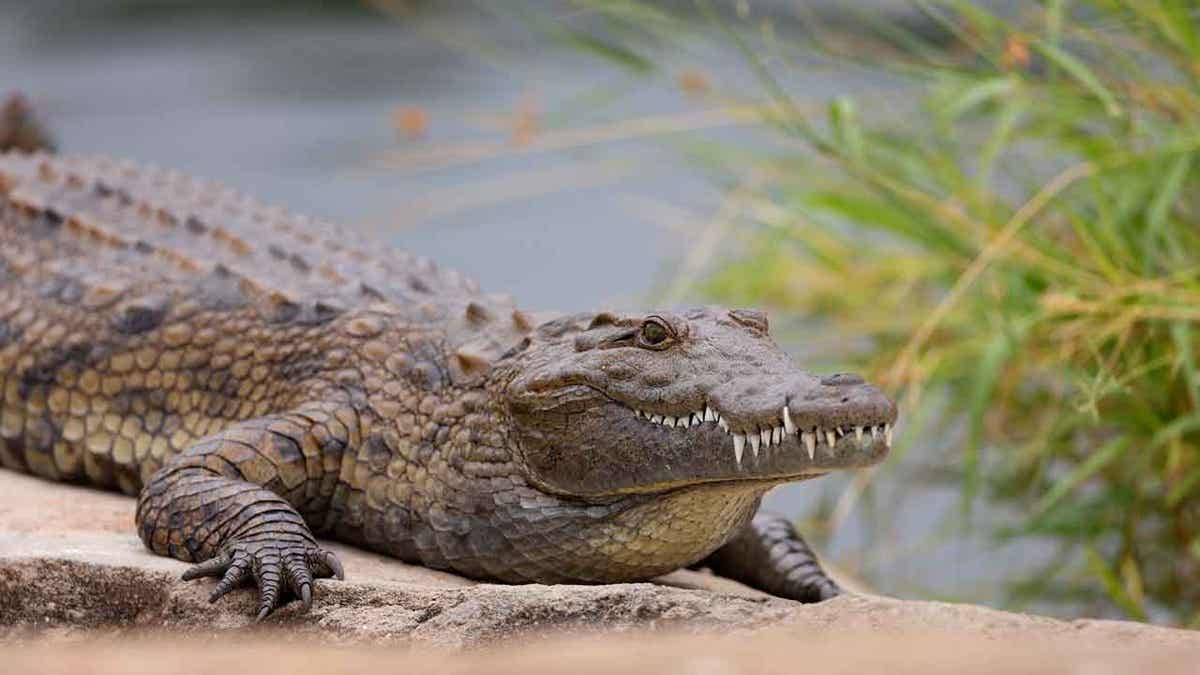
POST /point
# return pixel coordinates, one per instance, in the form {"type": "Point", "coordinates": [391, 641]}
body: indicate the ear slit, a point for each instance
{"type": "Point", "coordinates": [751, 318]}
{"type": "Point", "coordinates": [602, 319]}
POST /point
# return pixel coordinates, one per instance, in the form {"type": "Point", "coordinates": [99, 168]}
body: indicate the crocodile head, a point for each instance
{"type": "Point", "coordinates": [610, 404]}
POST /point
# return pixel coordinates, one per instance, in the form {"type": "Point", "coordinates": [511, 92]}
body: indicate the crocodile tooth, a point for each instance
{"type": "Point", "coordinates": [777, 435]}
{"type": "Point", "coordinates": [858, 434]}
{"type": "Point", "coordinates": [874, 432]}
{"type": "Point", "coordinates": [810, 442]}
{"type": "Point", "coordinates": [670, 421]}
{"type": "Point", "coordinates": [887, 434]}
{"type": "Point", "coordinates": [709, 415]}
{"type": "Point", "coordinates": [723, 424]}
{"type": "Point", "coordinates": [830, 438]}
{"type": "Point", "coordinates": [755, 442]}
{"type": "Point", "coordinates": [657, 419]}
{"type": "Point", "coordinates": [637, 413]}
{"type": "Point", "coordinates": [697, 418]}
{"type": "Point", "coordinates": [739, 444]}
{"type": "Point", "coordinates": [787, 421]}
{"type": "Point", "coordinates": [840, 431]}
{"type": "Point", "coordinates": [764, 436]}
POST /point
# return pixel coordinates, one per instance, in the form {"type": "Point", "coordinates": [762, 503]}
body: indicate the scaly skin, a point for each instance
{"type": "Point", "coordinates": [255, 379]}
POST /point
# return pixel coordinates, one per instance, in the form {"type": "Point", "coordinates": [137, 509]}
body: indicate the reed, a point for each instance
{"type": "Point", "coordinates": [1026, 245]}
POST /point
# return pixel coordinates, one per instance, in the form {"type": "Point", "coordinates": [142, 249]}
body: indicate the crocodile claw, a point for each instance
{"type": "Point", "coordinates": [272, 566]}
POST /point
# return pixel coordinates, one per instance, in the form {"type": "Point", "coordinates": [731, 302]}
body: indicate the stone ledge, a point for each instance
{"type": "Point", "coordinates": [69, 569]}
{"type": "Point", "coordinates": [107, 582]}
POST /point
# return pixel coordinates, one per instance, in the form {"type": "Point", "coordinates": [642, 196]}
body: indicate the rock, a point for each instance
{"type": "Point", "coordinates": [19, 129]}
{"type": "Point", "coordinates": [658, 654]}
{"type": "Point", "coordinates": [71, 570]}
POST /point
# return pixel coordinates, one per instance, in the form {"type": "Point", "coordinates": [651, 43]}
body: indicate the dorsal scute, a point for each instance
{"type": "Point", "coordinates": [141, 224]}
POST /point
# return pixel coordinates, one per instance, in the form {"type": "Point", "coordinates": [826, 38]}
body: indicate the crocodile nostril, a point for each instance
{"type": "Point", "coordinates": [842, 380]}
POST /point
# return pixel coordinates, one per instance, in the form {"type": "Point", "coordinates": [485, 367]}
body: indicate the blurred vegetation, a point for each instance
{"type": "Point", "coordinates": [1021, 246]}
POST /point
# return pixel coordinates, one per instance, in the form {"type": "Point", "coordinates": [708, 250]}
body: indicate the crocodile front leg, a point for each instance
{"type": "Point", "coordinates": [233, 502]}
{"type": "Point", "coordinates": [768, 554]}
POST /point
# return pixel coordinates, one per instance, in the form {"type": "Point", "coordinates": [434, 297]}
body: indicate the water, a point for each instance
{"type": "Point", "coordinates": [295, 107]}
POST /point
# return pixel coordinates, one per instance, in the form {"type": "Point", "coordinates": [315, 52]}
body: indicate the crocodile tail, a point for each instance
{"type": "Point", "coordinates": [19, 128]}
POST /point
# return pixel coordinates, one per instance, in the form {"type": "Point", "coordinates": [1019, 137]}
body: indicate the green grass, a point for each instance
{"type": "Point", "coordinates": [1024, 245]}
{"type": "Point", "coordinates": [1030, 243]}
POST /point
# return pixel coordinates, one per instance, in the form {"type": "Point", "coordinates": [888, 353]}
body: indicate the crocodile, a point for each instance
{"type": "Point", "coordinates": [258, 378]}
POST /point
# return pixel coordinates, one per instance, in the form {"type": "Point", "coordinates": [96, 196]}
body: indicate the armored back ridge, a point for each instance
{"type": "Point", "coordinates": [255, 376]}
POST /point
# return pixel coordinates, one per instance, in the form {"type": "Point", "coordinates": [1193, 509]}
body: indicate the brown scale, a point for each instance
{"type": "Point", "coordinates": [157, 261]}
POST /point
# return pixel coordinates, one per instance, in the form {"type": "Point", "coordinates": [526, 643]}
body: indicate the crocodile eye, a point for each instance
{"type": "Point", "coordinates": [654, 334]}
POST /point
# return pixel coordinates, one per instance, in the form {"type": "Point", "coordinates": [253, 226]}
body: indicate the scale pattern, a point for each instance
{"type": "Point", "coordinates": [159, 316]}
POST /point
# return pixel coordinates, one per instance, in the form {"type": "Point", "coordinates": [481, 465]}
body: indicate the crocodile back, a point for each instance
{"type": "Point", "coordinates": [141, 309]}
{"type": "Point", "coordinates": [123, 220]}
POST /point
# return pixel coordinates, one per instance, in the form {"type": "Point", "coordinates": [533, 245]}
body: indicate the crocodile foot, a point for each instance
{"type": "Point", "coordinates": [771, 556]}
{"type": "Point", "coordinates": [272, 566]}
